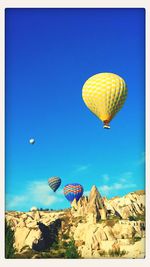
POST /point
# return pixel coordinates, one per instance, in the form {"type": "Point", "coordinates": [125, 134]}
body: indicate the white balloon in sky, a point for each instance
{"type": "Point", "coordinates": [31, 141]}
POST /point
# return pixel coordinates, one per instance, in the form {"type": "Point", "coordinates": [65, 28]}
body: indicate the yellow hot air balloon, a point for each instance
{"type": "Point", "coordinates": [104, 94]}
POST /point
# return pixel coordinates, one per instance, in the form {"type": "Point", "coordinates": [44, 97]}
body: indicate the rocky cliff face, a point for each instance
{"type": "Point", "coordinates": [91, 207]}
{"type": "Point", "coordinates": [99, 226]}
{"type": "Point", "coordinates": [132, 204]}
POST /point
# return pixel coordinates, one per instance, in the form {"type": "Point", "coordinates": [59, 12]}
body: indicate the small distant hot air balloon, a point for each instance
{"type": "Point", "coordinates": [32, 141]}
{"type": "Point", "coordinates": [73, 191]}
{"type": "Point", "coordinates": [54, 183]}
{"type": "Point", "coordinates": [104, 94]}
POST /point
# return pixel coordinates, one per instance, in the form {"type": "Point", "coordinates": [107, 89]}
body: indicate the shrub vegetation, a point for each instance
{"type": "Point", "coordinates": [9, 242]}
{"type": "Point", "coordinates": [71, 251]}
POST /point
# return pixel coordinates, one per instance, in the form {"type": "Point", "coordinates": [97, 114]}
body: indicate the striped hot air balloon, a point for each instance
{"type": "Point", "coordinates": [73, 191]}
{"type": "Point", "coordinates": [104, 94]}
{"type": "Point", "coordinates": [54, 183]}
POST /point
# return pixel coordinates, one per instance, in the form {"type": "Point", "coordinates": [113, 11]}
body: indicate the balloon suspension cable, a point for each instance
{"type": "Point", "coordinates": [106, 125]}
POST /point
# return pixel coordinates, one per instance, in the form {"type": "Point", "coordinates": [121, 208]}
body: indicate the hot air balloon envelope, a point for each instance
{"type": "Point", "coordinates": [32, 141]}
{"type": "Point", "coordinates": [104, 94]}
{"type": "Point", "coordinates": [54, 183]}
{"type": "Point", "coordinates": [73, 191]}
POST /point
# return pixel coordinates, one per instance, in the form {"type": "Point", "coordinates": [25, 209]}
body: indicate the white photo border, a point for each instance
{"type": "Point", "coordinates": [72, 4]}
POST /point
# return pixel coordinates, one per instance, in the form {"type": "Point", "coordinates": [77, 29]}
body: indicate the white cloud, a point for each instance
{"type": "Point", "coordinates": [42, 194]}
{"type": "Point", "coordinates": [107, 189]}
{"type": "Point", "coordinates": [81, 168]}
{"type": "Point", "coordinates": [142, 159]}
{"type": "Point", "coordinates": [122, 182]}
{"type": "Point", "coordinates": [38, 192]}
{"type": "Point", "coordinates": [13, 201]}
{"type": "Point", "coordinates": [105, 177]}
{"type": "Point", "coordinates": [126, 176]}
{"type": "Point", "coordinates": [104, 189]}
{"type": "Point", "coordinates": [60, 192]}
{"type": "Point", "coordinates": [123, 177]}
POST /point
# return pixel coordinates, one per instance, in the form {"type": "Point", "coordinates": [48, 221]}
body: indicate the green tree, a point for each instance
{"type": "Point", "coordinates": [9, 241]}
{"type": "Point", "coordinates": [71, 252]}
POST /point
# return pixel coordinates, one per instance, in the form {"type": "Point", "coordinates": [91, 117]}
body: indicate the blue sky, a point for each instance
{"type": "Point", "coordinates": [50, 53]}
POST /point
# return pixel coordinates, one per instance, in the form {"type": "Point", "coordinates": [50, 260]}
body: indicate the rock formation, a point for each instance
{"type": "Point", "coordinates": [132, 204]}
{"type": "Point", "coordinates": [48, 235]}
{"type": "Point", "coordinates": [99, 226]}
{"type": "Point", "coordinates": [92, 207]}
